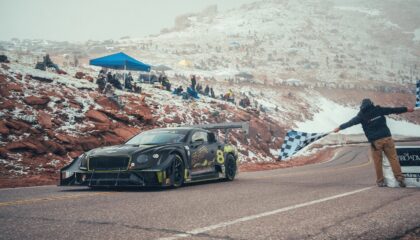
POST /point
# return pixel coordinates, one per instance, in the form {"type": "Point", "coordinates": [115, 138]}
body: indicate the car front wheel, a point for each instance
{"type": "Point", "coordinates": [177, 172]}
{"type": "Point", "coordinates": [230, 168]}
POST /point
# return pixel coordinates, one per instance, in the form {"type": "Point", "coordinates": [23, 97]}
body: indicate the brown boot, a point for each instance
{"type": "Point", "coordinates": [401, 183]}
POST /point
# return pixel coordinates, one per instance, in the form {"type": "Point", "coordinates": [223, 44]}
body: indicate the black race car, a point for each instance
{"type": "Point", "coordinates": [159, 157]}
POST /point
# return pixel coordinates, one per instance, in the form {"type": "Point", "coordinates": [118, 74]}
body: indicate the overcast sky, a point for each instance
{"type": "Point", "coordinates": [80, 20]}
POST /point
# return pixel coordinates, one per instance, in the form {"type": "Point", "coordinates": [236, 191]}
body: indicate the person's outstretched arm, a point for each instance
{"type": "Point", "coordinates": [396, 110]}
{"type": "Point", "coordinates": [354, 121]}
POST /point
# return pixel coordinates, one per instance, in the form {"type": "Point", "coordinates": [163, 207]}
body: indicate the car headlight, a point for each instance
{"type": "Point", "coordinates": [83, 162]}
{"type": "Point", "coordinates": [142, 158]}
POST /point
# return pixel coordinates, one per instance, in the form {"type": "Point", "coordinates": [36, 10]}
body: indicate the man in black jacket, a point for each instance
{"type": "Point", "coordinates": [377, 132]}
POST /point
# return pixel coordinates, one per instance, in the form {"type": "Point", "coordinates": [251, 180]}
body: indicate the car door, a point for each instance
{"type": "Point", "coordinates": [202, 153]}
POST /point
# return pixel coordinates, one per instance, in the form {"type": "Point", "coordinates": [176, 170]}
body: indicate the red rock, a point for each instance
{"type": "Point", "coordinates": [111, 139]}
{"type": "Point", "coordinates": [32, 100]}
{"type": "Point", "coordinates": [28, 77]}
{"type": "Point", "coordinates": [59, 71]}
{"type": "Point", "coordinates": [3, 79]}
{"type": "Point", "coordinates": [167, 109]}
{"type": "Point", "coordinates": [142, 112]}
{"type": "Point", "coordinates": [14, 87]}
{"type": "Point", "coordinates": [4, 91]}
{"type": "Point", "coordinates": [75, 154]}
{"type": "Point", "coordinates": [3, 129]}
{"type": "Point", "coordinates": [29, 144]}
{"type": "Point", "coordinates": [3, 152]}
{"type": "Point", "coordinates": [106, 103]}
{"type": "Point", "coordinates": [102, 126]}
{"type": "Point", "coordinates": [89, 78]}
{"type": "Point", "coordinates": [44, 119]}
{"type": "Point", "coordinates": [88, 143]}
{"type": "Point", "coordinates": [97, 116]}
{"type": "Point", "coordinates": [74, 104]}
{"type": "Point", "coordinates": [54, 147]}
{"type": "Point", "coordinates": [18, 125]}
{"type": "Point", "coordinates": [79, 75]}
{"type": "Point", "coordinates": [7, 104]}
{"type": "Point", "coordinates": [167, 120]}
{"type": "Point", "coordinates": [64, 138]}
{"type": "Point", "coordinates": [125, 133]}
{"type": "Point", "coordinates": [115, 115]}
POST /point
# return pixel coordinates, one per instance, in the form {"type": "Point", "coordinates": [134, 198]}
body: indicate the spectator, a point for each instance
{"type": "Point", "coordinates": [136, 88]}
{"type": "Point", "coordinates": [128, 81]}
{"type": "Point", "coordinates": [207, 90]}
{"type": "Point", "coordinates": [212, 93]}
{"type": "Point", "coordinates": [179, 90]}
{"type": "Point", "coordinates": [110, 94]}
{"type": "Point", "coordinates": [378, 134]}
{"type": "Point", "coordinates": [193, 82]}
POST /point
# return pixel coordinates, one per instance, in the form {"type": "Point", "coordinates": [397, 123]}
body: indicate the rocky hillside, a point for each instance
{"type": "Point", "coordinates": [47, 119]}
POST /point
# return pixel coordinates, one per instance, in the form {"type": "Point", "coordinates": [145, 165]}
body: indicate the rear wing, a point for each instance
{"type": "Point", "coordinates": [223, 126]}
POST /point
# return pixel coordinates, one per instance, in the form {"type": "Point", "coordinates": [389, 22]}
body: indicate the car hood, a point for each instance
{"type": "Point", "coordinates": [119, 150]}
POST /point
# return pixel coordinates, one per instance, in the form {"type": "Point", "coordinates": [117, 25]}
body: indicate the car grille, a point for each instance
{"type": "Point", "coordinates": [108, 163]}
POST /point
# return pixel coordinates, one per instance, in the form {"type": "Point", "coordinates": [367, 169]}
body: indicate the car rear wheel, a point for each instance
{"type": "Point", "coordinates": [230, 168]}
{"type": "Point", "coordinates": [177, 168]}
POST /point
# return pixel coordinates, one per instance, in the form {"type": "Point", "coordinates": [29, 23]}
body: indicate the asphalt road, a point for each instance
{"type": "Point", "coordinates": [332, 200]}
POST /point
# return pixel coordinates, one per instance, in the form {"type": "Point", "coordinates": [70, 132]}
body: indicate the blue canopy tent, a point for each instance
{"type": "Point", "coordinates": [120, 61]}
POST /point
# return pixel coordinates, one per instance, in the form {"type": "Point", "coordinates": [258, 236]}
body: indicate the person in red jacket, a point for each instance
{"type": "Point", "coordinates": [377, 132]}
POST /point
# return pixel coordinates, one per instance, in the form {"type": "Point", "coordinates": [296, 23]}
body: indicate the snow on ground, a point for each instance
{"type": "Point", "coordinates": [331, 115]}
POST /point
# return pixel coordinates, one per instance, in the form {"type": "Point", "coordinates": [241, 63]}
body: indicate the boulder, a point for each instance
{"type": "Point", "coordinates": [75, 154]}
{"type": "Point", "coordinates": [63, 138]}
{"type": "Point", "coordinates": [33, 145]}
{"type": "Point", "coordinates": [88, 143]}
{"type": "Point", "coordinates": [125, 132]}
{"type": "Point", "coordinates": [18, 125]}
{"type": "Point", "coordinates": [33, 100]}
{"type": "Point", "coordinates": [79, 75]}
{"type": "Point", "coordinates": [8, 104]}
{"type": "Point", "coordinates": [97, 116]}
{"type": "Point", "coordinates": [14, 87]}
{"type": "Point", "coordinates": [44, 119]}
{"type": "Point", "coordinates": [115, 115]}
{"type": "Point", "coordinates": [54, 147]}
{"type": "Point", "coordinates": [111, 139]}
{"type": "Point", "coordinates": [106, 103]}
{"type": "Point", "coordinates": [89, 78]}
{"type": "Point", "coordinates": [3, 152]}
{"type": "Point", "coordinates": [3, 128]}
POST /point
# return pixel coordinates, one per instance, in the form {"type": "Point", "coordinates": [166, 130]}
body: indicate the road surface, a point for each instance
{"type": "Point", "coordinates": [336, 199]}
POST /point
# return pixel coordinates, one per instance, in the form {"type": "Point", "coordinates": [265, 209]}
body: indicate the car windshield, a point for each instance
{"type": "Point", "coordinates": [156, 137]}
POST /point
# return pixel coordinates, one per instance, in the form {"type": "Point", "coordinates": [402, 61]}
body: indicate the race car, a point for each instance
{"type": "Point", "coordinates": [159, 157]}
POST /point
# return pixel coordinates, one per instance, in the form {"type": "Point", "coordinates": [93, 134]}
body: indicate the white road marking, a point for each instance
{"type": "Point", "coordinates": [3, 189]}
{"type": "Point", "coordinates": [260, 215]}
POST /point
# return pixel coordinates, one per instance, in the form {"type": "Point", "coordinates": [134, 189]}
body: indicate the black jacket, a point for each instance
{"type": "Point", "coordinates": [373, 121]}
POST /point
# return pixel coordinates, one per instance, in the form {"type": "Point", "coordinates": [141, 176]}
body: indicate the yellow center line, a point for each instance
{"type": "Point", "coordinates": [54, 198]}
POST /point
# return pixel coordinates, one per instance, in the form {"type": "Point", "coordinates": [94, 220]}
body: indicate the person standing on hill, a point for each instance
{"type": "Point", "coordinates": [193, 82]}
{"type": "Point", "coordinates": [377, 132]}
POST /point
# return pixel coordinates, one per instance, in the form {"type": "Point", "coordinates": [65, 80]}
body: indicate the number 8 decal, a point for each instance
{"type": "Point", "coordinates": [220, 158]}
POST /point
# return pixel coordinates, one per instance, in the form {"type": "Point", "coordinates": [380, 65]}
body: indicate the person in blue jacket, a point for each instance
{"type": "Point", "coordinates": [377, 132]}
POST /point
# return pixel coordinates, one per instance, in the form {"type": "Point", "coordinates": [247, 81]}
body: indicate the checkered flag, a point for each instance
{"type": "Point", "coordinates": [418, 94]}
{"type": "Point", "coordinates": [295, 141]}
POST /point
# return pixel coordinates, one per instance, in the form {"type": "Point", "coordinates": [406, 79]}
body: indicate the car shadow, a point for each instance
{"type": "Point", "coordinates": [142, 189]}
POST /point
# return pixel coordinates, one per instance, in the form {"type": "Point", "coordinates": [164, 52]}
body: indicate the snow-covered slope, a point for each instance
{"type": "Point", "coordinates": [331, 115]}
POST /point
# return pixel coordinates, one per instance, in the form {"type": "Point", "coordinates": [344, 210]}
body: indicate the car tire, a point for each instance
{"type": "Point", "coordinates": [178, 170]}
{"type": "Point", "coordinates": [230, 167]}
